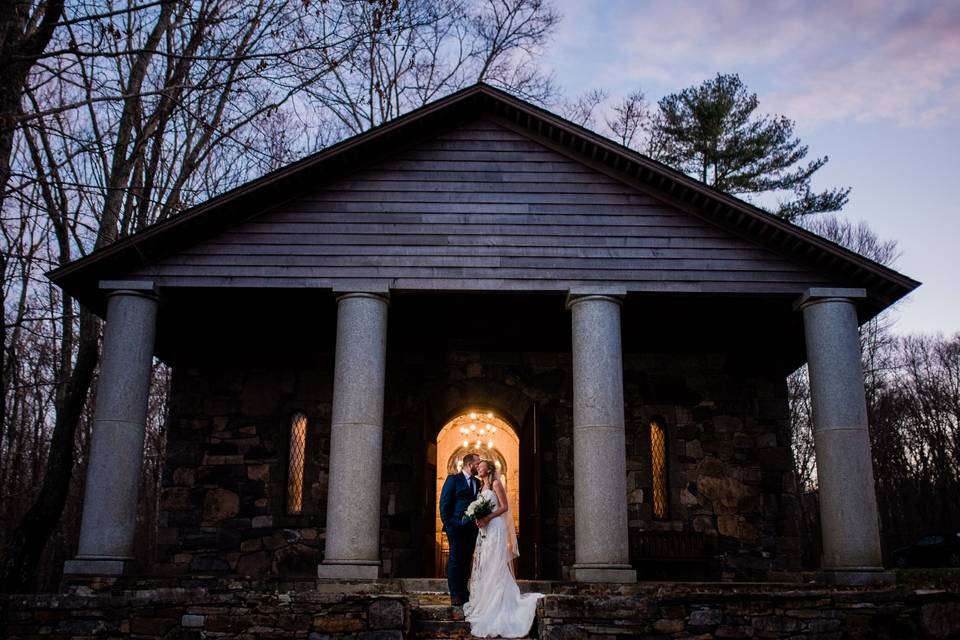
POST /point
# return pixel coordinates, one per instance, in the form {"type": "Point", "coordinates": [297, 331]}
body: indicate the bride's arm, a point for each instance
{"type": "Point", "coordinates": [501, 498]}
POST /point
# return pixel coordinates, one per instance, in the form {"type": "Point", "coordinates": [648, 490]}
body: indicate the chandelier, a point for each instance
{"type": "Point", "coordinates": [478, 433]}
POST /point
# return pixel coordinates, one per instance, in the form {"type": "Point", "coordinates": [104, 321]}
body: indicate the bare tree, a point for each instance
{"type": "Point", "coordinates": [25, 31]}
{"type": "Point", "coordinates": [123, 119]}
{"type": "Point", "coordinates": [141, 109]}
{"type": "Point", "coordinates": [582, 109]}
{"type": "Point", "coordinates": [630, 117]}
{"type": "Point", "coordinates": [418, 50]}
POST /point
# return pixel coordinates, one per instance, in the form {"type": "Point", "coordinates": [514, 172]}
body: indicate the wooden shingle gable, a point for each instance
{"type": "Point", "coordinates": [481, 191]}
{"type": "Point", "coordinates": [481, 208]}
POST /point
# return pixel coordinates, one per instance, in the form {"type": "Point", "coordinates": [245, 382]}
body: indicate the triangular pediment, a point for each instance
{"type": "Point", "coordinates": [481, 207]}
{"type": "Point", "coordinates": [481, 191]}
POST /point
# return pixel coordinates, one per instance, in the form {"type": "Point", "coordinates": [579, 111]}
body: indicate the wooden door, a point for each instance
{"type": "Point", "coordinates": [530, 533]}
{"type": "Point", "coordinates": [428, 498]}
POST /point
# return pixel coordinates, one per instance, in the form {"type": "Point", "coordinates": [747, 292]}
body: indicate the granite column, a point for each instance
{"type": "Point", "coordinates": [599, 454]}
{"type": "Point", "coordinates": [848, 502]}
{"type": "Point", "coordinates": [352, 548]}
{"type": "Point", "coordinates": [119, 426]}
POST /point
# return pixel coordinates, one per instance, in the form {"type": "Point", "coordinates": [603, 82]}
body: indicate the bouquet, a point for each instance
{"type": "Point", "coordinates": [479, 508]}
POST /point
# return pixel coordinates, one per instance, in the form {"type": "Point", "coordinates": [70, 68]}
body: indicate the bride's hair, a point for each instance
{"type": "Point", "coordinates": [488, 481]}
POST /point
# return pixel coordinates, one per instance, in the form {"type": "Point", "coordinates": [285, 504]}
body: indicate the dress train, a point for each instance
{"type": "Point", "coordinates": [496, 607]}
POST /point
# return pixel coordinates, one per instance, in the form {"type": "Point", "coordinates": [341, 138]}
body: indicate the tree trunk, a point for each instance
{"type": "Point", "coordinates": [30, 537]}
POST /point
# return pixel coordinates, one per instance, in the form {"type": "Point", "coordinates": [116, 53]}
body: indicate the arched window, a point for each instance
{"type": "Point", "coordinates": [658, 467]}
{"type": "Point", "coordinates": [298, 448]}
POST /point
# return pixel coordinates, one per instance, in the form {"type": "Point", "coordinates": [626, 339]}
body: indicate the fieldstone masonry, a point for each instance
{"type": "Point", "coordinates": [392, 611]}
{"type": "Point", "coordinates": [709, 612]}
{"type": "Point", "coordinates": [197, 613]}
{"type": "Point", "coordinates": [222, 504]}
{"type": "Point", "coordinates": [729, 462]}
{"type": "Point", "coordinates": [731, 480]}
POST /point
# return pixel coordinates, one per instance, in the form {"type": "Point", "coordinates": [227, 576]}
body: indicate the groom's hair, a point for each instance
{"type": "Point", "coordinates": [470, 457]}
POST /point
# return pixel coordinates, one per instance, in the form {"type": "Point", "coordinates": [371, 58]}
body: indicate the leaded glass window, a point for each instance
{"type": "Point", "coordinates": [658, 464]}
{"type": "Point", "coordinates": [298, 448]}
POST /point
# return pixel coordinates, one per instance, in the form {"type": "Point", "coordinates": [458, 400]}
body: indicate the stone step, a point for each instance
{"type": "Point", "coordinates": [446, 630]}
{"type": "Point", "coordinates": [435, 621]}
{"type": "Point", "coordinates": [423, 585]}
{"type": "Point", "coordinates": [437, 612]}
{"type": "Point", "coordinates": [438, 621]}
{"type": "Point", "coordinates": [439, 585]}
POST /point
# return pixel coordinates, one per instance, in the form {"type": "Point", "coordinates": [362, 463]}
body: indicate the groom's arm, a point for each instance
{"type": "Point", "coordinates": [447, 500]}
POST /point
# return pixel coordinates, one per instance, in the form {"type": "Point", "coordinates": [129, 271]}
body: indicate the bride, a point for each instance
{"type": "Point", "coordinates": [496, 606]}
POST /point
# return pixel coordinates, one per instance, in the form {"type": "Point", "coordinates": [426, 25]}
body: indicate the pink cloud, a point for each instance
{"type": "Point", "coordinates": [816, 62]}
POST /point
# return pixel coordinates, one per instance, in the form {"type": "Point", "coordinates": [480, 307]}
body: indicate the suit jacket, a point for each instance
{"type": "Point", "coordinates": [455, 497]}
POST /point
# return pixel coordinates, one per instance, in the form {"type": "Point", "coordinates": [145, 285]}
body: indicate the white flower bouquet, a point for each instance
{"type": "Point", "coordinates": [479, 508]}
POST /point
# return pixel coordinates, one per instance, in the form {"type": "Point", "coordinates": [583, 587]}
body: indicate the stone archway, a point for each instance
{"type": "Point", "coordinates": [484, 432]}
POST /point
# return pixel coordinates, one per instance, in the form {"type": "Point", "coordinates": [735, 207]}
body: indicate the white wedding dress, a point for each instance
{"type": "Point", "coordinates": [496, 607]}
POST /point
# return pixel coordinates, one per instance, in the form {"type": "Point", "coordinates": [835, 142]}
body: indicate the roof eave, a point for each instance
{"type": "Point", "coordinates": [887, 285]}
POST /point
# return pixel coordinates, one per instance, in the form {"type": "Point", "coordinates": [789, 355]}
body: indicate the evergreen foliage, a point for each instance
{"type": "Point", "coordinates": [712, 132]}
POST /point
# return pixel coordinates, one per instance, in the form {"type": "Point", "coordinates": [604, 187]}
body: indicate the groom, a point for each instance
{"type": "Point", "coordinates": [459, 490]}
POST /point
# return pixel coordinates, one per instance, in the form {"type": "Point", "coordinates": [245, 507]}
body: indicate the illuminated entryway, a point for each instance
{"type": "Point", "coordinates": [489, 436]}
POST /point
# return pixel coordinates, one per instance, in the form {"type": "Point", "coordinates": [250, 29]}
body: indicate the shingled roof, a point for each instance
{"type": "Point", "coordinates": [129, 255]}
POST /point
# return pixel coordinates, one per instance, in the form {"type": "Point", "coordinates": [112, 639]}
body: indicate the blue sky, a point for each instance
{"type": "Point", "coordinates": [875, 85]}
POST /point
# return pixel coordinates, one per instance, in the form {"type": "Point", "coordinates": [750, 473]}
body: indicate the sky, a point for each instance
{"type": "Point", "coordinates": [874, 85]}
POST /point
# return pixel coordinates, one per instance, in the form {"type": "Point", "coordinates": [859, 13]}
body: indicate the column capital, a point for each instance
{"type": "Point", "coordinates": [379, 297]}
{"type": "Point", "coordinates": [816, 295]}
{"type": "Point", "coordinates": [578, 297]}
{"type": "Point", "coordinates": [145, 288]}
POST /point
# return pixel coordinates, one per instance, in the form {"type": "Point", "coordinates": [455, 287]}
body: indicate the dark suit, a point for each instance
{"type": "Point", "coordinates": [456, 496]}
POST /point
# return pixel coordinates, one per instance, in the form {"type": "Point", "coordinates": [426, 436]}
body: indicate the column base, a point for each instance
{"type": "Point", "coordinates": [346, 571]}
{"type": "Point", "coordinates": [97, 566]}
{"type": "Point", "coordinates": [622, 573]}
{"type": "Point", "coordinates": [860, 576]}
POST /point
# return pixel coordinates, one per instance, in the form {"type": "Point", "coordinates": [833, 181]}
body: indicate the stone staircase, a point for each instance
{"type": "Point", "coordinates": [433, 617]}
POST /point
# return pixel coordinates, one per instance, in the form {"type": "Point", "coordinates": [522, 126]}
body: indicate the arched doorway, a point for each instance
{"type": "Point", "coordinates": [485, 433]}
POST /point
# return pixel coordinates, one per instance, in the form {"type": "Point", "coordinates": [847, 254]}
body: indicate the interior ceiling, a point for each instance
{"type": "Point", "coordinates": [301, 324]}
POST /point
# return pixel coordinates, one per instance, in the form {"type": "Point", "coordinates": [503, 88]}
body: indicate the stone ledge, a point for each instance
{"type": "Point", "coordinates": [572, 610]}
{"type": "Point", "coordinates": [180, 613]}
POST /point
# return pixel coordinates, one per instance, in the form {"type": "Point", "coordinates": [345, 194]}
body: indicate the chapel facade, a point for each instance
{"type": "Point", "coordinates": [480, 276]}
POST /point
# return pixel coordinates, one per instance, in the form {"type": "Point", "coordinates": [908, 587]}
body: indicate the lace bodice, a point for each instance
{"type": "Point", "coordinates": [491, 495]}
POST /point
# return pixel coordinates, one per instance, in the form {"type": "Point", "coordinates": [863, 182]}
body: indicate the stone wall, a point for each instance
{"type": "Point", "coordinates": [730, 465]}
{"type": "Point", "coordinates": [223, 501]}
{"type": "Point", "coordinates": [175, 614]}
{"type": "Point", "coordinates": [222, 506]}
{"type": "Point", "coordinates": [392, 610]}
{"type": "Point", "coordinates": [714, 611]}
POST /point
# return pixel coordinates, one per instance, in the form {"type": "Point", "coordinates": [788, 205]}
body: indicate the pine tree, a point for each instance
{"type": "Point", "coordinates": [711, 132]}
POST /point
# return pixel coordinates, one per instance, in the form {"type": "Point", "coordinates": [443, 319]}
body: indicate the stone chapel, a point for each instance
{"type": "Point", "coordinates": [480, 275]}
